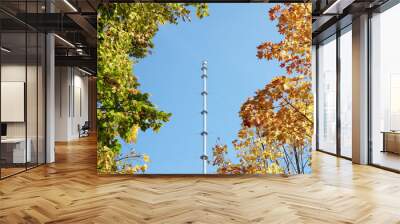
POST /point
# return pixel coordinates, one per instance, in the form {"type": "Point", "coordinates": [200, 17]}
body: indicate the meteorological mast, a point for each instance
{"type": "Point", "coordinates": [204, 112]}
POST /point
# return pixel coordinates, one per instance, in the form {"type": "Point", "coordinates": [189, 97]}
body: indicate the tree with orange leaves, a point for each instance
{"type": "Point", "coordinates": [277, 122]}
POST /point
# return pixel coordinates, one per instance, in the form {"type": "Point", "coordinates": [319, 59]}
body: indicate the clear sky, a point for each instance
{"type": "Point", "coordinates": [227, 39]}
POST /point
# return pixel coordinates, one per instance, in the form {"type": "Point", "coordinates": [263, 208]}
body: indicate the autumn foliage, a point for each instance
{"type": "Point", "coordinates": [277, 122]}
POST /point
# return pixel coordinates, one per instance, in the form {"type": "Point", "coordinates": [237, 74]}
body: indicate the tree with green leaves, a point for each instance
{"type": "Point", "coordinates": [125, 35]}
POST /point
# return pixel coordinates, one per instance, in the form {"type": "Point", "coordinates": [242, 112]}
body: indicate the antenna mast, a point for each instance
{"type": "Point", "coordinates": [204, 112]}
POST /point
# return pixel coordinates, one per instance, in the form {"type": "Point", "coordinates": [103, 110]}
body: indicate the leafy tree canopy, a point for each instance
{"type": "Point", "coordinates": [277, 122]}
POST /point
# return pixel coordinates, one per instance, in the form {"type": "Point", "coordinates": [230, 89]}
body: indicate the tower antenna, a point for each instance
{"type": "Point", "coordinates": [204, 112]}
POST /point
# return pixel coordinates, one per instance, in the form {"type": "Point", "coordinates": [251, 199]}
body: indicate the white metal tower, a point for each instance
{"type": "Point", "coordinates": [204, 112]}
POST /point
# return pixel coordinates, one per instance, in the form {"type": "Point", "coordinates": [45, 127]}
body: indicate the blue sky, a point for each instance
{"type": "Point", "coordinates": [227, 39]}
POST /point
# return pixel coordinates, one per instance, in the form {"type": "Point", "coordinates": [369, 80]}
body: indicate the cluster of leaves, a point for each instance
{"type": "Point", "coordinates": [132, 162]}
{"type": "Point", "coordinates": [294, 51]}
{"type": "Point", "coordinates": [125, 35]}
{"type": "Point", "coordinates": [277, 123]}
{"type": "Point", "coordinates": [256, 155]}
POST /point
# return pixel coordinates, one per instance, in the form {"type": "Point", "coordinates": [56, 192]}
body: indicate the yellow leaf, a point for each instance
{"type": "Point", "coordinates": [146, 158]}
